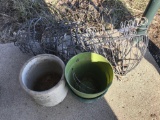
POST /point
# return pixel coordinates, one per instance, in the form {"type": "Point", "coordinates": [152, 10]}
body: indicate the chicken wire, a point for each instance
{"type": "Point", "coordinates": [123, 47]}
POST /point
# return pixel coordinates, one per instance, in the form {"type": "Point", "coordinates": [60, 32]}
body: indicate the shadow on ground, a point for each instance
{"type": "Point", "coordinates": [152, 55]}
{"type": "Point", "coordinates": [155, 51]}
{"type": "Point", "coordinates": [15, 104]}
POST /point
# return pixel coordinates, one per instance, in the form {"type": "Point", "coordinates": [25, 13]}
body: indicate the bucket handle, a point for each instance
{"type": "Point", "coordinates": [79, 82]}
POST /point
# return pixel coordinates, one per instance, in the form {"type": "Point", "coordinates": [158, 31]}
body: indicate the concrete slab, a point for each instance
{"type": "Point", "coordinates": [137, 96]}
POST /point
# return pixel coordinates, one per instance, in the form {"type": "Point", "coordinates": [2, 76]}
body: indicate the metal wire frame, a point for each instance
{"type": "Point", "coordinates": [124, 48]}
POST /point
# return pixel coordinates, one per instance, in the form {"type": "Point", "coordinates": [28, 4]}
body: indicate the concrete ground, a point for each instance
{"type": "Point", "coordinates": [135, 97]}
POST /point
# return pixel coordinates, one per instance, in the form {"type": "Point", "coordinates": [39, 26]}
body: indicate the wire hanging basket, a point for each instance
{"type": "Point", "coordinates": [123, 47]}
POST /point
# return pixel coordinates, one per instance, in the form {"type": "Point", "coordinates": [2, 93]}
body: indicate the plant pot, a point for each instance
{"type": "Point", "coordinates": [89, 75]}
{"type": "Point", "coordinates": [42, 77]}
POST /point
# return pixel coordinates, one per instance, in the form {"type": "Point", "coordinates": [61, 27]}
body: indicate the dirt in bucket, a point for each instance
{"type": "Point", "coordinates": [46, 81]}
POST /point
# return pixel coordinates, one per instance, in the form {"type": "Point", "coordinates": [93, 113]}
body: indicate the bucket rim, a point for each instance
{"type": "Point", "coordinates": [74, 89]}
{"type": "Point", "coordinates": [45, 91]}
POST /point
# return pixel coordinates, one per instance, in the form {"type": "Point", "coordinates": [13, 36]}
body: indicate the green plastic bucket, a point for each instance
{"type": "Point", "coordinates": [89, 75]}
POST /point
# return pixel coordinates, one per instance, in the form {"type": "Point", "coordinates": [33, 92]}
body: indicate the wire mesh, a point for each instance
{"type": "Point", "coordinates": [123, 47]}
